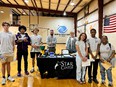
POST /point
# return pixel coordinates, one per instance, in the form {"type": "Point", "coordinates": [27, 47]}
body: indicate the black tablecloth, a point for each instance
{"type": "Point", "coordinates": [57, 67]}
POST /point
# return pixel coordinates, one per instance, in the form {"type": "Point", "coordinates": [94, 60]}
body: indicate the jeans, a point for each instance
{"type": "Point", "coordinates": [80, 71]}
{"type": "Point", "coordinates": [109, 73]}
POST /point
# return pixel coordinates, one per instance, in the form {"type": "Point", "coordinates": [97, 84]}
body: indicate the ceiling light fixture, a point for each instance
{"type": "Point", "coordinates": [64, 13]}
{"type": "Point", "coordinates": [72, 3]}
{"type": "Point", "coordinates": [26, 1]}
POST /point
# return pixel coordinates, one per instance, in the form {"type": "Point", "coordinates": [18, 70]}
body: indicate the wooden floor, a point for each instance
{"type": "Point", "coordinates": [34, 80]}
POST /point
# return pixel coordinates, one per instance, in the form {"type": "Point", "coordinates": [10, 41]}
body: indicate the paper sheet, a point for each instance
{"type": "Point", "coordinates": [106, 65]}
{"type": "Point", "coordinates": [87, 63]}
{"type": "Point", "coordinates": [91, 59]}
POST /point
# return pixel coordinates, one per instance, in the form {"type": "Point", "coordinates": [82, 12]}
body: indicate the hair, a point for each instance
{"type": "Point", "coordinates": [93, 30]}
{"type": "Point", "coordinates": [81, 35]}
{"type": "Point", "coordinates": [22, 27]}
{"type": "Point", "coordinates": [105, 37]}
{"type": "Point", "coordinates": [35, 29]}
{"type": "Point", "coordinates": [3, 23]}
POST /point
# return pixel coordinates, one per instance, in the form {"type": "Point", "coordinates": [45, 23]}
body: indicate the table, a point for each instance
{"type": "Point", "coordinates": [61, 68]}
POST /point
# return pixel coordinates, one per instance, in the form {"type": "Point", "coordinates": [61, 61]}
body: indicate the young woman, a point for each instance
{"type": "Point", "coordinates": [36, 40]}
{"type": "Point", "coordinates": [82, 52]}
{"type": "Point", "coordinates": [7, 45]}
{"type": "Point", "coordinates": [107, 52]}
{"type": "Point", "coordinates": [22, 41]}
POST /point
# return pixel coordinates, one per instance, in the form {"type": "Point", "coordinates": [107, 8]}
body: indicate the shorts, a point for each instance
{"type": "Point", "coordinates": [8, 57]}
{"type": "Point", "coordinates": [33, 54]}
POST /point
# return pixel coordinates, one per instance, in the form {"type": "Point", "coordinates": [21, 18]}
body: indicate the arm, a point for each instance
{"type": "Point", "coordinates": [111, 56]}
{"type": "Point", "coordinates": [67, 42]}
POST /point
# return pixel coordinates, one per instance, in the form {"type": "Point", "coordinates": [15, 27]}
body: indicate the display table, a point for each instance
{"type": "Point", "coordinates": [61, 68]}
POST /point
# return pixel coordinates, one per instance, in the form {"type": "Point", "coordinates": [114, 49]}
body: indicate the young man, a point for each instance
{"type": "Point", "coordinates": [22, 41]}
{"type": "Point", "coordinates": [70, 43]}
{"type": "Point", "coordinates": [93, 42]}
{"type": "Point", "coordinates": [51, 42]}
{"type": "Point", "coordinates": [36, 40]}
{"type": "Point", "coordinates": [7, 43]}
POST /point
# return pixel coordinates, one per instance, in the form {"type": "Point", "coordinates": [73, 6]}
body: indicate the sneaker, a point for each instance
{"type": "Point", "coordinates": [3, 81]}
{"type": "Point", "coordinates": [96, 81]}
{"type": "Point", "coordinates": [26, 73]}
{"type": "Point", "coordinates": [102, 82]}
{"type": "Point", "coordinates": [80, 82]}
{"type": "Point", "coordinates": [110, 84]}
{"type": "Point", "coordinates": [19, 74]}
{"type": "Point", "coordinates": [10, 79]}
{"type": "Point", "coordinates": [89, 81]}
{"type": "Point", "coordinates": [32, 70]}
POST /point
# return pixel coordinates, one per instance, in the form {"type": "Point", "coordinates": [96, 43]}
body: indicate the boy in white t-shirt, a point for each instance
{"type": "Point", "coordinates": [107, 52]}
{"type": "Point", "coordinates": [36, 40]}
{"type": "Point", "coordinates": [93, 42]}
{"type": "Point", "coordinates": [7, 43]}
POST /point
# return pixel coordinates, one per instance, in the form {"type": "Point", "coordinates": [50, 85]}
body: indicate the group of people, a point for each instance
{"type": "Point", "coordinates": [22, 40]}
{"type": "Point", "coordinates": [81, 46]}
{"type": "Point", "coordinates": [99, 50]}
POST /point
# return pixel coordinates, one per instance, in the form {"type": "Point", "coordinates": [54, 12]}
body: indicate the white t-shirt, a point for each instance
{"type": "Point", "coordinates": [35, 39]}
{"type": "Point", "coordinates": [105, 50]}
{"type": "Point", "coordinates": [7, 40]}
{"type": "Point", "coordinates": [82, 47]}
{"type": "Point", "coordinates": [93, 42]}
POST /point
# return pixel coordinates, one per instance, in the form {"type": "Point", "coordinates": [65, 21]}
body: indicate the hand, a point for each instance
{"type": "Point", "coordinates": [84, 59]}
{"type": "Point", "coordinates": [102, 60]}
{"type": "Point", "coordinates": [34, 46]}
{"type": "Point", "coordinates": [108, 60]}
{"type": "Point", "coordinates": [95, 57]}
{"type": "Point", "coordinates": [25, 40]}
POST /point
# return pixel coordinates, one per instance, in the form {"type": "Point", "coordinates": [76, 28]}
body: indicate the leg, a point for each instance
{"type": "Point", "coordinates": [78, 66]}
{"type": "Point", "coordinates": [89, 71]}
{"type": "Point", "coordinates": [95, 68]}
{"type": "Point", "coordinates": [3, 69]}
{"type": "Point", "coordinates": [25, 55]}
{"type": "Point", "coordinates": [19, 57]}
{"type": "Point", "coordinates": [8, 68]}
{"type": "Point", "coordinates": [83, 73]}
{"type": "Point", "coordinates": [102, 71]}
{"type": "Point", "coordinates": [109, 76]}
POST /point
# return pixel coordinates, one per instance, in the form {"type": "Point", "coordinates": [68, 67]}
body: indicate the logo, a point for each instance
{"type": "Point", "coordinates": [62, 29]}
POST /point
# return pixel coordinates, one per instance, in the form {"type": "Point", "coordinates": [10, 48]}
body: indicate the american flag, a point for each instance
{"type": "Point", "coordinates": [110, 24]}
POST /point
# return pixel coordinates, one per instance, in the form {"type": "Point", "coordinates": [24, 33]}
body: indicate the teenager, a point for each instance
{"type": "Point", "coordinates": [36, 41]}
{"type": "Point", "coordinates": [82, 52]}
{"type": "Point", "coordinates": [107, 52]}
{"type": "Point", "coordinates": [93, 42]}
{"type": "Point", "coordinates": [7, 43]}
{"type": "Point", "coordinates": [22, 41]}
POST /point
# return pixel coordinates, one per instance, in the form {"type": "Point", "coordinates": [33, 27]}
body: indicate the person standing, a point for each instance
{"type": "Point", "coordinates": [7, 43]}
{"type": "Point", "coordinates": [22, 41]}
{"type": "Point", "coordinates": [51, 42]}
{"type": "Point", "coordinates": [93, 43]}
{"type": "Point", "coordinates": [70, 43]}
{"type": "Point", "coordinates": [36, 40]}
{"type": "Point", "coordinates": [107, 53]}
{"type": "Point", "coordinates": [82, 52]}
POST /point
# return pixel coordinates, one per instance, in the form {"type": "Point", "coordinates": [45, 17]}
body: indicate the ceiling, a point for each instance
{"type": "Point", "coordinates": [44, 7]}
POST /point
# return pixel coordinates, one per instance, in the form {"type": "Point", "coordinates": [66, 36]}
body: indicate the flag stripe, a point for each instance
{"type": "Point", "coordinates": [110, 24]}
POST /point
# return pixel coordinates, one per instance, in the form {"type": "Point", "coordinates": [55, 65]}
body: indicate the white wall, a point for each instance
{"type": "Point", "coordinates": [51, 23]}
{"type": "Point", "coordinates": [108, 10]}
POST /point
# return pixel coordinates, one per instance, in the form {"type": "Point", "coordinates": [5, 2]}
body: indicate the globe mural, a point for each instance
{"type": "Point", "coordinates": [62, 29]}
